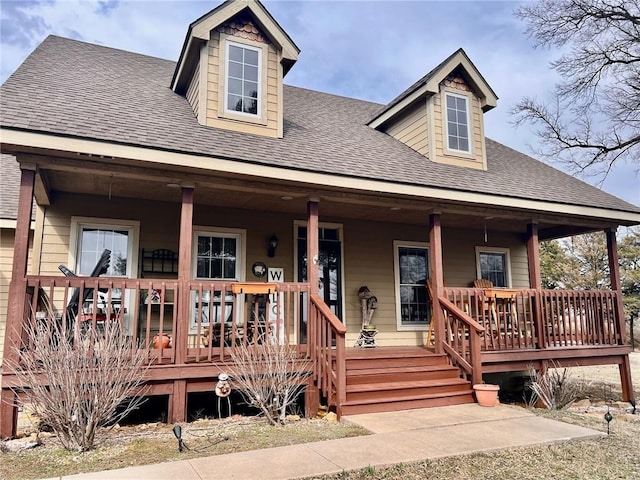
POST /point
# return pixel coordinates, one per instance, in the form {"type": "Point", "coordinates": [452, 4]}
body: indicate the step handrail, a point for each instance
{"type": "Point", "coordinates": [458, 328]}
{"type": "Point", "coordinates": [326, 336]}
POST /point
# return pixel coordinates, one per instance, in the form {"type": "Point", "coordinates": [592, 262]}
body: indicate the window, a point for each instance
{"type": "Point", "coordinates": [411, 272]}
{"type": "Point", "coordinates": [92, 237]}
{"type": "Point", "coordinates": [494, 264]}
{"type": "Point", "coordinates": [218, 254]}
{"type": "Point", "coordinates": [457, 123]}
{"type": "Point", "coordinates": [243, 79]}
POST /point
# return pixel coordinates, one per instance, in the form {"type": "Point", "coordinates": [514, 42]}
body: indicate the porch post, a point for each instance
{"type": "Point", "coordinates": [533, 256]}
{"type": "Point", "coordinates": [614, 276]}
{"type": "Point", "coordinates": [178, 400]}
{"type": "Point", "coordinates": [313, 244]}
{"type": "Point", "coordinates": [437, 278]}
{"type": "Point", "coordinates": [535, 278]}
{"type": "Point", "coordinates": [17, 299]}
{"type": "Point", "coordinates": [312, 393]}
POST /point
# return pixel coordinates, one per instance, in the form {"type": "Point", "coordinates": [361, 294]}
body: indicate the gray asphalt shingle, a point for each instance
{"type": "Point", "coordinates": [67, 87]}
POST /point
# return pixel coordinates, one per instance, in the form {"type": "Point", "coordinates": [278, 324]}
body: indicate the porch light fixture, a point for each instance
{"type": "Point", "coordinates": [273, 244]}
{"type": "Point", "coordinates": [173, 185]}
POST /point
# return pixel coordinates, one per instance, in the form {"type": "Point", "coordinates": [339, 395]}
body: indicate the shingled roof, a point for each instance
{"type": "Point", "coordinates": [70, 88]}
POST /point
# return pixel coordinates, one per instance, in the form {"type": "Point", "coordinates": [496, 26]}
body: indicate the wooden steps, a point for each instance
{"type": "Point", "coordinates": [383, 380]}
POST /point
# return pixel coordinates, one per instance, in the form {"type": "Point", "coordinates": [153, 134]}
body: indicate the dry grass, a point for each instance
{"type": "Point", "coordinates": [155, 443]}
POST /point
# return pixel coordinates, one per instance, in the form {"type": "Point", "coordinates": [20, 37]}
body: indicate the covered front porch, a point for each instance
{"type": "Point", "coordinates": [474, 330]}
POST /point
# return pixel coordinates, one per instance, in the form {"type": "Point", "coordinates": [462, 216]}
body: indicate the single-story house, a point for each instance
{"type": "Point", "coordinates": [235, 208]}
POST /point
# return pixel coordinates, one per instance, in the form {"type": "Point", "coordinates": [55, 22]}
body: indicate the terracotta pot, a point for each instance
{"type": "Point", "coordinates": [487, 394]}
{"type": "Point", "coordinates": [163, 341]}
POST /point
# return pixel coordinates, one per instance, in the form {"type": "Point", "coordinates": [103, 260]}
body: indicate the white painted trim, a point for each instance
{"type": "Point", "coordinates": [162, 157]}
{"type": "Point", "coordinates": [445, 119]}
{"type": "Point", "coordinates": [11, 224]}
{"type": "Point", "coordinates": [507, 254]}
{"type": "Point", "coordinates": [239, 233]}
{"type": "Point", "coordinates": [328, 225]}
{"type": "Point", "coordinates": [108, 223]}
{"type": "Point", "coordinates": [396, 284]}
{"type": "Point", "coordinates": [261, 87]}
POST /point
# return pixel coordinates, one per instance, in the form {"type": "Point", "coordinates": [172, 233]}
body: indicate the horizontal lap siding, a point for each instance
{"type": "Point", "coordinates": [7, 239]}
{"type": "Point", "coordinates": [412, 129]}
{"type": "Point", "coordinates": [215, 92]}
{"type": "Point", "coordinates": [193, 90]}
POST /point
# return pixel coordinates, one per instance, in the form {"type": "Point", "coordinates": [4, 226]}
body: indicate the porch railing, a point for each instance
{"type": "Point", "coordinates": [462, 340]}
{"type": "Point", "coordinates": [220, 315]}
{"type": "Point", "coordinates": [326, 336]}
{"type": "Point", "coordinates": [517, 319]}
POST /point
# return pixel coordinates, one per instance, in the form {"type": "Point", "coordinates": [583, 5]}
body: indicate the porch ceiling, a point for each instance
{"type": "Point", "coordinates": [121, 180]}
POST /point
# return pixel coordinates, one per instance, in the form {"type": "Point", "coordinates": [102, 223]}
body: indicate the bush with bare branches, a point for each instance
{"type": "Point", "coordinates": [77, 385]}
{"type": "Point", "coordinates": [554, 387]}
{"type": "Point", "coordinates": [270, 376]}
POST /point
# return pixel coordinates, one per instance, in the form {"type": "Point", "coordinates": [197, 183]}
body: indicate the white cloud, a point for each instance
{"type": "Point", "coordinates": [368, 50]}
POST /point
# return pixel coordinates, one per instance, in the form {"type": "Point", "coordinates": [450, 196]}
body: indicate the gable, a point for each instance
{"type": "Point", "coordinates": [441, 115]}
{"type": "Point", "coordinates": [232, 67]}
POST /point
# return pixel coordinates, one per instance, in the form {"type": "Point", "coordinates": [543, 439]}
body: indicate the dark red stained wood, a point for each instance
{"type": "Point", "coordinates": [17, 295]}
{"type": "Point", "coordinates": [312, 245]}
{"type": "Point", "coordinates": [533, 256]}
{"type": "Point", "coordinates": [178, 402]}
{"type": "Point", "coordinates": [184, 272]}
{"type": "Point", "coordinates": [437, 276]}
{"type": "Point", "coordinates": [614, 275]}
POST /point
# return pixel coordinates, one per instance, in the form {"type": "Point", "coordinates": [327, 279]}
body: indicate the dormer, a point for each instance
{"type": "Point", "coordinates": [441, 115]}
{"type": "Point", "coordinates": [232, 66]}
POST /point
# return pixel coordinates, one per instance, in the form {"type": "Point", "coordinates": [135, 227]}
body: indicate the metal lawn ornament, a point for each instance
{"type": "Point", "coordinates": [223, 390]}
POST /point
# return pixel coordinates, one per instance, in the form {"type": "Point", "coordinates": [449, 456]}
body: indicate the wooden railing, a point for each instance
{"type": "Point", "coordinates": [244, 314]}
{"type": "Point", "coordinates": [462, 339]}
{"type": "Point", "coordinates": [517, 319]}
{"type": "Point", "coordinates": [326, 337]}
{"type": "Point", "coordinates": [149, 309]}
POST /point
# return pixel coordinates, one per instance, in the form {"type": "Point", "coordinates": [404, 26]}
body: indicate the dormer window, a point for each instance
{"type": "Point", "coordinates": [457, 123]}
{"type": "Point", "coordinates": [243, 79]}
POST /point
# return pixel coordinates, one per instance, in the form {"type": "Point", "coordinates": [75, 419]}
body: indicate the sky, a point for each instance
{"type": "Point", "coordinates": [371, 50]}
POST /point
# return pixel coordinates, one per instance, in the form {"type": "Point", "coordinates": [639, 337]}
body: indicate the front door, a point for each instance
{"type": "Point", "coordinates": [329, 270]}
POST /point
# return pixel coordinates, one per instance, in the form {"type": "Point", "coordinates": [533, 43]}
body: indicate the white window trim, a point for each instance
{"type": "Point", "coordinates": [445, 116]}
{"type": "Point", "coordinates": [507, 255]}
{"type": "Point", "coordinates": [396, 281]}
{"type": "Point", "coordinates": [340, 228]}
{"type": "Point", "coordinates": [239, 233]}
{"type": "Point", "coordinates": [77, 223]}
{"type": "Point", "coordinates": [227, 110]}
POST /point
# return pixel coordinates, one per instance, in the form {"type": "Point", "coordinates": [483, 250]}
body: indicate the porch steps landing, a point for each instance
{"type": "Point", "coordinates": [383, 380]}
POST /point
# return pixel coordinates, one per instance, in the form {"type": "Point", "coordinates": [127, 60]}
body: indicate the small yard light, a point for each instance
{"type": "Point", "coordinates": [177, 431]}
{"type": "Point", "coordinates": [608, 417]}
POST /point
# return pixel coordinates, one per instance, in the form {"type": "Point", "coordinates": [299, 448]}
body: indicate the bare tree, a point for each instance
{"type": "Point", "coordinates": [594, 120]}
{"type": "Point", "coordinates": [270, 376]}
{"type": "Point", "coordinates": [78, 386]}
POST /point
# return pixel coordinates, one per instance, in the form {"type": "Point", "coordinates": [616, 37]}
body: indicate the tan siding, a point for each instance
{"type": "Point", "coordinates": [215, 115]}
{"type": "Point", "coordinates": [412, 129]}
{"type": "Point", "coordinates": [7, 239]}
{"type": "Point", "coordinates": [442, 155]}
{"type": "Point", "coordinates": [192, 91]}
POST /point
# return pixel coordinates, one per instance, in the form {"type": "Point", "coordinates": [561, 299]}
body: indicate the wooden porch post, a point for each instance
{"type": "Point", "coordinates": [535, 277]}
{"type": "Point", "coordinates": [178, 399]}
{"type": "Point", "coordinates": [16, 299]}
{"type": "Point", "coordinates": [312, 394]}
{"type": "Point", "coordinates": [437, 277]}
{"type": "Point", "coordinates": [614, 276]}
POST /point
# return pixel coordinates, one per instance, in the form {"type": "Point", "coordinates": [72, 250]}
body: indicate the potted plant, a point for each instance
{"type": "Point", "coordinates": [487, 394]}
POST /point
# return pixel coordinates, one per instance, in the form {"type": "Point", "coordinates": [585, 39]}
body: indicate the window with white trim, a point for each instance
{"type": "Point", "coordinates": [92, 236]}
{"type": "Point", "coordinates": [457, 110]}
{"type": "Point", "coordinates": [494, 264]}
{"type": "Point", "coordinates": [413, 307]}
{"type": "Point", "coordinates": [243, 85]}
{"type": "Point", "coordinates": [218, 254]}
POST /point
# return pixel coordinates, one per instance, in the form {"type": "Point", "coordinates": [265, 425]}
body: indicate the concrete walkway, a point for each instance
{"type": "Point", "coordinates": [407, 436]}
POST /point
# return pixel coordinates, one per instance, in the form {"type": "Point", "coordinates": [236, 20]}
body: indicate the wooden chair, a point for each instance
{"type": "Point", "coordinates": [482, 283]}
